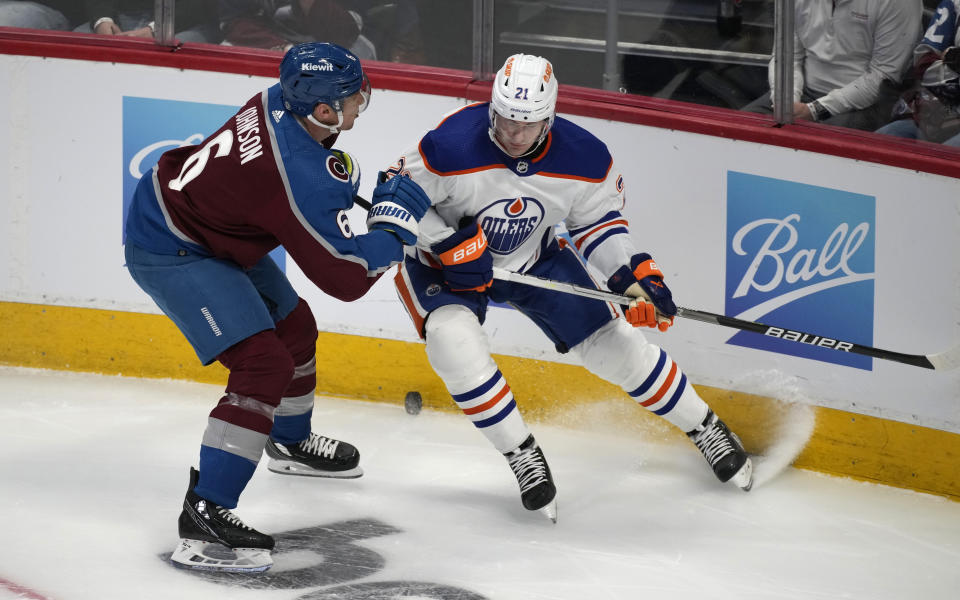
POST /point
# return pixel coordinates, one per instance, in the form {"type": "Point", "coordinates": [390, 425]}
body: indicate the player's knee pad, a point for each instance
{"type": "Point", "coordinates": [459, 352]}
{"type": "Point", "coordinates": [298, 332]}
{"type": "Point", "coordinates": [622, 355]}
{"type": "Point", "coordinates": [617, 352]}
{"type": "Point", "coordinates": [458, 348]}
{"type": "Point", "coordinates": [260, 367]}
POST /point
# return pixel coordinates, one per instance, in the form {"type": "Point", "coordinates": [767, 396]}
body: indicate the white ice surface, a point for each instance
{"type": "Point", "coordinates": [93, 471]}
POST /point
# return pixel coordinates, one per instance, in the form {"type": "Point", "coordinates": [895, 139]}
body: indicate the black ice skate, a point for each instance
{"type": "Point", "coordinates": [316, 456]}
{"type": "Point", "coordinates": [214, 539]}
{"type": "Point", "coordinates": [723, 451]}
{"type": "Point", "coordinates": [533, 475]}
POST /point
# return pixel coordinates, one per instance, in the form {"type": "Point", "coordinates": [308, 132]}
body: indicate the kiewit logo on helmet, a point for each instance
{"type": "Point", "coordinates": [323, 65]}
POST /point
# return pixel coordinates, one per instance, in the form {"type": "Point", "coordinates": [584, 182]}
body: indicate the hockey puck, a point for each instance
{"type": "Point", "coordinates": [413, 403]}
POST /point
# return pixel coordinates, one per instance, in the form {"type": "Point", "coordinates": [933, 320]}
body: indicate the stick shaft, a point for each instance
{"type": "Point", "coordinates": [949, 359]}
{"type": "Point", "coordinates": [943, 360]}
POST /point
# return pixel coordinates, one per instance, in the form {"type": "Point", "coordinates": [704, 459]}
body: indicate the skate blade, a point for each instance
{"type": "Point", "coordinates": [289, 467]}
{"type": "Point", "coordinates": [550, 510]}
{"type": "Point", "coordinates": [211, 556]}
{"type": "Point", "coordinates": [743, 479]}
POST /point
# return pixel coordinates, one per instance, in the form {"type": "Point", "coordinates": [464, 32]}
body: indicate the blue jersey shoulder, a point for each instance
{"type": "Point", "coordinates": [460, 142]}
{"type": "Point", "coordinates": [318, 182]}
{"type": "Point", "coordinates": [575, 152]}
{"type": "Point", "coordinates": [321, 189]}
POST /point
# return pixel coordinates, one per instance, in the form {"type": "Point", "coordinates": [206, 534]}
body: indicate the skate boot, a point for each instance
{"type": "Point", "coordinates": [537, 491]}
{"type": "Point", "coordinates": [214, 539]}
{"type": "Point", "coordinates": [316, 456]}
{"type": "Point", "coordinates": [723, 451]}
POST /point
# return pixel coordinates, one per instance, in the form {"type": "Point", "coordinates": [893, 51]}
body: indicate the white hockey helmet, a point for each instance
{"type": "Point", "coordinates": [524, 90]}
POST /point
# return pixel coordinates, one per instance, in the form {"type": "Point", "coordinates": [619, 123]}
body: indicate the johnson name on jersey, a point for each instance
{"type": "Point", "coordinates": [258, 182]}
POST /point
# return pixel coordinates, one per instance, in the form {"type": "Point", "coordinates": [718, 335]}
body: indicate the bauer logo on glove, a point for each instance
{"type": "Point", "coordinates": [467, 263]}
{"type": "Point", "coordinates": [466, 251]}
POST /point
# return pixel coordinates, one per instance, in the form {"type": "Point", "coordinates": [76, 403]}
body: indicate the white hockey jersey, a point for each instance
{"type": "Point", "coordinates": [518, 202]}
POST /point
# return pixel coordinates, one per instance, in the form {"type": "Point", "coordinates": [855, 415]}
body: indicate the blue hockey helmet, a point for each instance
{"type": "Point", "coordinates": [320, 72]}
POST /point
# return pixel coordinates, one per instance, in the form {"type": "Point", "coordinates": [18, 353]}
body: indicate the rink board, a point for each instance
{"type": "Point", "coordinates": [360, 367]}
{"type": "Point", "coordinates": [694, 183]}
{"type": "Point", "coordinates": [702, 205]}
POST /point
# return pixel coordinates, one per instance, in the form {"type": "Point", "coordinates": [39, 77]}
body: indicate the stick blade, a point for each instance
{"type": "Point", "coordinates": [946, 360]}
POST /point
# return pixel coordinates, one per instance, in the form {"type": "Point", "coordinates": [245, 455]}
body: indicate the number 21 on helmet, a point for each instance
{"type": "Point", "coordinates": [524, 90]}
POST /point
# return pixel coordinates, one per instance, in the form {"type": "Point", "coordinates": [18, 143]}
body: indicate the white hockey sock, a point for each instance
{"type": "Point", "coordinates": [459, 353]}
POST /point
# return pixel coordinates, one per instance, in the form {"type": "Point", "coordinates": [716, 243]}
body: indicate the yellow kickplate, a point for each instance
{"type": "Point", "coordinates": [143, 345]}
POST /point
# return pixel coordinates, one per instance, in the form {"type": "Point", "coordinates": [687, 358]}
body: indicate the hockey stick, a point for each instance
{"type": "Point", "coordinates": [949, 359]}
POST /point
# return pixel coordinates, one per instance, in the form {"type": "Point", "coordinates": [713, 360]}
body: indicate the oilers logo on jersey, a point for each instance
{"type": "Point", "coordinates": [508, 223]}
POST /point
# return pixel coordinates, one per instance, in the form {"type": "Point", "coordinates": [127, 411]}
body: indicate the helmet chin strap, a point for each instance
{"type": "Point", "coordinates": [493, 138]}
{"type": "Point", "coordinates": [332, 128]}
{"type": "Point", "coordinates": [533, 148]}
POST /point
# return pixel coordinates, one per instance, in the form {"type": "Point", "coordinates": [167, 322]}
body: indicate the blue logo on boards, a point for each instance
{"type": "Point", "coordinates": [152, 126]}
{"type": "Point", "coordinates": [508, 223]}
{"type": "Point", "coordinates": [802, 257]}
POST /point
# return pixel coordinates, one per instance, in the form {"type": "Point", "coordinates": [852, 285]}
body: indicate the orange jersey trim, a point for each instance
{"type": "Point", "coordinates": [435, 171]}
{"type": "Point", "coordinates": [577, 177]}
{"type": "Point", "coordinates": [546, 148]}
{"type": "Point", "coordinates": [584, 238]}
{"type": "Point", "coordinates": [407, 299]}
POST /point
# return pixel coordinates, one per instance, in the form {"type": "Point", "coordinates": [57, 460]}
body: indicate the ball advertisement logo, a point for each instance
{"type": "Point", "coordinates": [151, 126]}
{"type": "Point", "coordinates": [803, 257]}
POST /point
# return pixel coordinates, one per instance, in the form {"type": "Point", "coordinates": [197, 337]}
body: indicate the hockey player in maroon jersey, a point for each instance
{"type": "Point", "coordinates": [501, 175]}
{"type": "Point", "coordinates": [198, 233]}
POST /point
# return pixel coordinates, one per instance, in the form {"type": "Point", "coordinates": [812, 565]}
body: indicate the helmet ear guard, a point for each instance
{"type": "Point", "coordinates": [525, 90]}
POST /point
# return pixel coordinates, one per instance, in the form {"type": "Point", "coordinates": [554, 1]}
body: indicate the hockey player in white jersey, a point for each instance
{"type": "Point", "coordinates": [500, 176]}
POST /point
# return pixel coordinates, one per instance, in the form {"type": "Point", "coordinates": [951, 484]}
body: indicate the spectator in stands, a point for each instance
{"type": "Point", "coordinates": [395, 29]}
{"type": "Point", "coordinates": [39, 14]}
{"type": "Point", "coordinates": [194, 20]}
{"type": "Point", "coordinates": [929, 110]}
{"type": "Point", "coordinates": [372, 29]}
{"type": "Point", "coordinates": [279, 25]}
{"type": "Point", "coordinates": [849, 58]}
